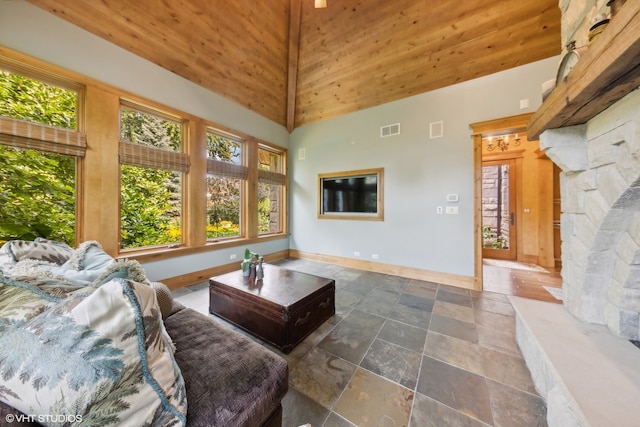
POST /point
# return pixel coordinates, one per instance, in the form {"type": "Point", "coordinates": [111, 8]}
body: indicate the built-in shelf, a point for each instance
{"type": "Point", "coordinates": [605, 73]}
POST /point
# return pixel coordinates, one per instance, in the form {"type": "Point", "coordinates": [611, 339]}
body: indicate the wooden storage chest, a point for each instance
{"type": "Point", "coordinates": [283, 308]}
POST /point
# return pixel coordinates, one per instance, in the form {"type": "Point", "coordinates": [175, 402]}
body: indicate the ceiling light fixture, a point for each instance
{"type": "Point", "coordinates": [502, 142]}
{"type": "Point", "coordinates": [320, 4]}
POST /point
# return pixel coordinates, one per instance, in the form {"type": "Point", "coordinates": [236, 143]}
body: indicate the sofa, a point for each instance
{"type": "Point", "coordinates": [85, 338]}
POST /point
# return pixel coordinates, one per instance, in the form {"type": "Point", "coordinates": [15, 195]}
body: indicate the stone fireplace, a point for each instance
{"type": "Point", "coordinates": [600, 222]}
{"type": "Point", "coordinates": [579, 354]}
{"type": "Point", "coordinates": [590, 127]}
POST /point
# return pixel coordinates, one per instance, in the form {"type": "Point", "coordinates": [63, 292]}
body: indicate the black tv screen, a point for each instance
{"type": "Point", "coordinates": [353, 194]}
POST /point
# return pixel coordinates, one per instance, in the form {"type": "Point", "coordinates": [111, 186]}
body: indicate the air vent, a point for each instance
{"type": "Point", "coordinates": [390, 130]}
{"type": "Point", "coordinates": [436, 130]}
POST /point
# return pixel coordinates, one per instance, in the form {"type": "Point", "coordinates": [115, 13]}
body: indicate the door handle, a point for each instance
{"type": "Point", "coordinates": [513, 218]}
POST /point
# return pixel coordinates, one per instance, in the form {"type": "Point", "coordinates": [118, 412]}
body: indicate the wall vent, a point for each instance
{"type": "Point", "coordinates": [436, 130]}
{"type": "Point", "coordinates": [390, 130]}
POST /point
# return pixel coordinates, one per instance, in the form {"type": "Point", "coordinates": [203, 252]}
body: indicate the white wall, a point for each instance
{"type": "Point", "coordinates": [30, 30]}
{"type": "Point", "coordinates": [419, 171]}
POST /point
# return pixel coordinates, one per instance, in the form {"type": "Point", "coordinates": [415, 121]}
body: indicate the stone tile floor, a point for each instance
{"type": "Point", "coordinates": [402, 352]}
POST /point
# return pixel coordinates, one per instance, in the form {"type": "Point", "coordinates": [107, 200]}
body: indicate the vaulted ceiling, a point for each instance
{"type": "Point", "coordinates": [295, 64]}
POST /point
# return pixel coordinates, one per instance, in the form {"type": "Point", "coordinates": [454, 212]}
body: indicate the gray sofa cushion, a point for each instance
{"type": "Point", "coordinates": [230, 379]}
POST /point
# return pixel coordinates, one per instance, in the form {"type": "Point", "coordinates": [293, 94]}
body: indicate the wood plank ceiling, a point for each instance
{"type": "Point", "coordinates": [352, 55]}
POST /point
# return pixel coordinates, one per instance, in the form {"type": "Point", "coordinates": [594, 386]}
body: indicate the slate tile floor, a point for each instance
{"type": "Point", "coordinates": [403, 352]}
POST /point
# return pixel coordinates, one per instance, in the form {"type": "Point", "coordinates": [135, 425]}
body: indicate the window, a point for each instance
{"type": "Point", "coordinates": [50, 188]}
{"type": "Point", "coordinates": [271, 189]}
{"type": "Point", "coordinates": [225, 175]}
{"type": "Point", "coordinates": [152, 167]}
{"type": "Point", "coordinates": [39, 145]}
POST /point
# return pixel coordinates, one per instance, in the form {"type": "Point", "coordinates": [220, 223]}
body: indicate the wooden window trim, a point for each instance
{"type": "Point", "coordinates": [98, 177]}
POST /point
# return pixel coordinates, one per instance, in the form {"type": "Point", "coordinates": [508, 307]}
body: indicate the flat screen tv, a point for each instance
{"type": "Point", "coordinates": [351, 195]}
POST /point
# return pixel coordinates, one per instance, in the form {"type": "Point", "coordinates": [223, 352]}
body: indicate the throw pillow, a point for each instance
{"type": "Point", "coordinates": [87, 263]}
{"type": "Point", "coordinates": [48, 251]}
{"type": "Point", "coordinates": [123, 269]}
{"type": "Point", "coordinates": [89, 256]}
{"type": "Point", "coordinates": [101, 356]}
{"type": "Point", "coordinates": [164, 297]}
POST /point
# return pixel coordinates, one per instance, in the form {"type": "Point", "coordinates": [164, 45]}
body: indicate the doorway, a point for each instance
{"type": "Point", "coordinates": [518, 229]}
{"type": "Point", "coordinates": [498, 209]}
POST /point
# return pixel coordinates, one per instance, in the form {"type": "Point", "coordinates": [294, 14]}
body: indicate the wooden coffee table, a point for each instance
{"type": "Point", "coordinates": [283, 308]}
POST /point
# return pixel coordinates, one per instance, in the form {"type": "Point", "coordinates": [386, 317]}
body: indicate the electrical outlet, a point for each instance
{"type": "Point", "coordinates": [439, 210]}
{"type": "Point", "coordinates": [374, 256]}
{"type": "Point", "coordinates": [356, 253]}
{"type": "Point", "coordinates": [233, 256]}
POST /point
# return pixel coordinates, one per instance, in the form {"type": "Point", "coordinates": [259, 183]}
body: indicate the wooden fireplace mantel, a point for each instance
{"type": "Point", "coordinates": [605, 73]}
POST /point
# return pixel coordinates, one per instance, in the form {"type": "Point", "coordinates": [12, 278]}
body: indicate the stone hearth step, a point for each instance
{"type": "Point", "coordinates": [586, 374]}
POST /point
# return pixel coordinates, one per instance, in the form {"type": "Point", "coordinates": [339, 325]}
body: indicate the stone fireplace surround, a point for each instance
{"type": "Point", "coordinates": [600, 222]}
{"type": "Point", "coordinates": [579, 354]}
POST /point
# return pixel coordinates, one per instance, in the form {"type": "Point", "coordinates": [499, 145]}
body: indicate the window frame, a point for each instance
{"type": "Point", "coordinates": [98, 173]}
{"type": "Point", "coordinates": [230, 170]}
{"type": "Point", "coordinates": [151, 157]}
{"type": "Point", "coordinates": [274, 178]}
{"type": "Point", "coordinates": [52, 139]}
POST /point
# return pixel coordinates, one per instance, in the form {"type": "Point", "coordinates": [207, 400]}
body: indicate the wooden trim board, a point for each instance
{"type": "Point", "coordinates": [460, 281]}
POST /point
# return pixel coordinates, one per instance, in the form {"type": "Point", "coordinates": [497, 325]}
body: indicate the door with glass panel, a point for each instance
{"type": "Point", "coordinates": [498, 209]}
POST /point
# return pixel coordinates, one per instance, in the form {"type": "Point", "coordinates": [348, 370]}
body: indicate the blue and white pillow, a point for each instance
{"type": "Point", "coordinates": [40, 250]}
{"type": "Point", "coordinates": [100, 355]}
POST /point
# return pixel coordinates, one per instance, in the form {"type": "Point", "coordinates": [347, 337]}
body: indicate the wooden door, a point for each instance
{"type": "Point", "coordinates": [499, 220]}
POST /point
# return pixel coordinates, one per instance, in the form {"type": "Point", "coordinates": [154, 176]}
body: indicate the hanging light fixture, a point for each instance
{"type": "Point", "coordinates": [502, 142]}
{"type": "Point", "coordinates": [320, 4]}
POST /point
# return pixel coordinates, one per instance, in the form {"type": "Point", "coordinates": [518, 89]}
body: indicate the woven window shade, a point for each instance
{"type": "Point", "coordinates": [152, 157]}
{"type": "Point", "coordinates": [226, 169]}
{"type": "Point", "coordinates": [37, 136]}
{"type": "Point", "coordinates": [270, 177]}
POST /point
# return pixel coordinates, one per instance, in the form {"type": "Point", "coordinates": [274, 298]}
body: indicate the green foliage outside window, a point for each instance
{"type": "Point", "coordinates": [269, 194]}
{"type": "Point", "coordinates": [264, 208]}
{"type": "Point", "coordinates": [223, 193]}
{"type": "Point", "coordinates": [223, 207]}
{"type": "Point", "coordinates": [147, 217]}
{"type": "Point", "coordinates": [28, 99]}
{"type": "Point", "coordinates": [37, 190]}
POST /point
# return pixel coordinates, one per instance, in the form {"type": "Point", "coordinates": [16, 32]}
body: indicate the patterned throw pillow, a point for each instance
{"type": "Point", "coordinates": [101, 355]}
{"type": "Point", "coordinates": [40, 250]}
{"type": "Point", "coordinates": [86, 263]}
